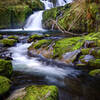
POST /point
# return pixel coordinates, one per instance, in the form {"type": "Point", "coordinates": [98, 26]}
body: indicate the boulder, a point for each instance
{"type": "Point", "coordinates": [5, 85]}
{"type": "Point", "coordinates": [35, 92]}
{"type": "Point", "coordinates": [5, 68]}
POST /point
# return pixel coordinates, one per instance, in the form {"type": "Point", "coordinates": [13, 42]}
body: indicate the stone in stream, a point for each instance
{"type": "Point", "coordinates": [35, 92]}
{"type": "Point", "coordinates": [5, 85]}
{"type": "Point", "coordinates": [6, 68]}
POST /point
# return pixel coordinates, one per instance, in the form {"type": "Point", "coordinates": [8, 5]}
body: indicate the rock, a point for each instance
{"type": "Point", "coordinates": [5, 85]}
{"type": "Point", "coordinates": [36, 92]}
{"type": "Point", "coordinates": [5, 68]}
{"type": "Point", "coordinates": [94, 63]}
{"type": "Point", "coordinates": [70, 57]}
{"type": "Point", "coordinates": [85, 51]}
{"type": "Point", "coordinates": [8, 42]}
{"type": "Point", "coordinates": [95, 72]}
{"type": "Point", "coordinates": [35, 37]}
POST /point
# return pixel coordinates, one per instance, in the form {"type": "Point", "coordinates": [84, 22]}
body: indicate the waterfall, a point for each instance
{"type": "Point", "coordinates": [34, 21]}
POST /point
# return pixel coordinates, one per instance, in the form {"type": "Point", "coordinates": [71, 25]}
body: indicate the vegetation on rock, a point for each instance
{"type": "Point", "coordinates": [8, 42]}
{"type": "Point", "coordinates": [5, 68]}
{"type": "Point", "coordinates": [5, 85]}
{"type": "Point", "coordinates": [40, 92]}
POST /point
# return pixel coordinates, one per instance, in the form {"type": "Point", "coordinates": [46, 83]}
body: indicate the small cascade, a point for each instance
{"type": "Point", "coordinates": [34, 22]}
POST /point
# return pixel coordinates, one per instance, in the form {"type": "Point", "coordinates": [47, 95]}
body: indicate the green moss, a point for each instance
{"type": "Point", "coordinates": [4, 84]}
{"type": "Point", "coordinates": [95, 63]}
{"type": "Point", "coordinates": [41, 43]}
{"type": "Point", "coordinates": [85, 51]}
{"type": "Point", "coordinates": [13, 37]}
{"type": "Point", "coordinates": [41, 92]}
{"type": "Point", "coordinates": [8, 42]}
{"type": "Point", "coordinates": [66, 45]}
{"type": "Point", "coordinates": [35, 37]}
{"type": "Point", "coordinates": [94, 72]}
{"type": "Point", "coordinates": [5, 68]}
{"type": "Point", "coordinates": [96, 53]}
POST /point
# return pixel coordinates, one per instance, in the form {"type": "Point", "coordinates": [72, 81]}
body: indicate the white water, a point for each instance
{"type": "Point", "coordinates": [21, 62]}
{"type": "Point", "coordinates": [34, 22]}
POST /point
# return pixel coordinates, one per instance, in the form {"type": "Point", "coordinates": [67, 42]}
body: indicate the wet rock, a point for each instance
{"type": "Point", "coordinates": [36, 92]}
{"type": "Point", "coordinates": [89, 44]}
{"type": "Point", "coordinates": [95, 72]}
{"type": "Point", "coordinates": [70, 57]}
{"type": "Point", "coordinates": [84, 60]}
{"type": "Point", "coordinates": [5, 85]}
{"type": "Point", "coordinates": [5, 68]}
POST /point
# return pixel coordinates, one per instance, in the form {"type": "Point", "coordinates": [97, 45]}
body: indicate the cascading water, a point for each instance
{"type": "Point", "coordinates": [34, 22]}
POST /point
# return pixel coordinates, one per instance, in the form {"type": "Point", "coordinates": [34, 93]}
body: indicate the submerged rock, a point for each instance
{"type": "Point", "coordinates": [36, 92]}
{"type": "Point", "coordinates": [5, 85]}
{"type": "Point", "coordinates": [5, 68]}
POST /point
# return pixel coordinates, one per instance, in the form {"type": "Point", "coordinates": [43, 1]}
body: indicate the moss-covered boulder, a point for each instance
{"type": "Point", "coordinates": [94, 63]}
{"type": "Point", "coordinates": [36, 92]}
{"type": "Point", "coordinates": [5, 85]}
{"type": "Point", "coordinates": [35, 37]}
{"type": "Point", "coordinates": [5, 68]}
{"type": "Point", "coordinates": [95, 72]}
{"type": "Point", "coordinates": [8, 42]}
{"type": "Point", "coordinates": [13, 37]}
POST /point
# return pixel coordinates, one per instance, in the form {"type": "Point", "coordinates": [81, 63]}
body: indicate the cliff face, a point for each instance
{"type": "Point", "coordinates": [14, 12]}
{"type": "Point", "coordinates": [80, 16]}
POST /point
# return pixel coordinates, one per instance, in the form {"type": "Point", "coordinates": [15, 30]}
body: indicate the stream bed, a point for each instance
{"type": "Point", "coordinates": [73, 84]}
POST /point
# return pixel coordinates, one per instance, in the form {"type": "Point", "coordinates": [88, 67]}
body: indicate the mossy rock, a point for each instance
{"type": "Point", "coordinates": [8, 42]}
{"type": "Point", "coordinates": [35, 37]}
{"type": "Point", "coordinates": [1, 37]}
{"type": "Point", "coordinates": [37, 92]}
{"type": "Point", "coordinates": [6, 68]}
{"type": "Point", "coordinates": [96, 52]}
{"type": "Point", "coordinates": [13, 37]}
{"type": "Point", "coordinates": [40, 43]}
{"type": "Point", "coordinates": [94, 63]}
{"type": "Point", "coordinates": [94, 72]}
{"type": "Point", "coordinates": [85, 51]}
{"type": "Point", "coordinates": [5, 85]}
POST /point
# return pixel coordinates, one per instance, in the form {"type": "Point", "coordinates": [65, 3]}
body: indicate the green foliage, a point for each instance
{"type": "Point", "coordinates": [4, 84]}
{"type": "Point", "coordinates": [5, 68]}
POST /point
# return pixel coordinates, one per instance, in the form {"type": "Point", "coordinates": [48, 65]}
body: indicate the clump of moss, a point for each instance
{"type": "Point", "coordinates": [41, 92]}
{"type": "Point", "coordinates": [8, 42]}
{"type": "Point", "coordinates": [5, 68]}
{"type": "Point", "coordinates": [85, 51]}
{"type": "Point", "coordinates": [40, 43]}
{"type": "Point", "coordinates": [4, 85]}
{"type": "Point", "coordinates": [13, 37]}
{"type": "Point", "coordinates": [35, 37]}
{"type": "Point", "coordinates": [94, 72]}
